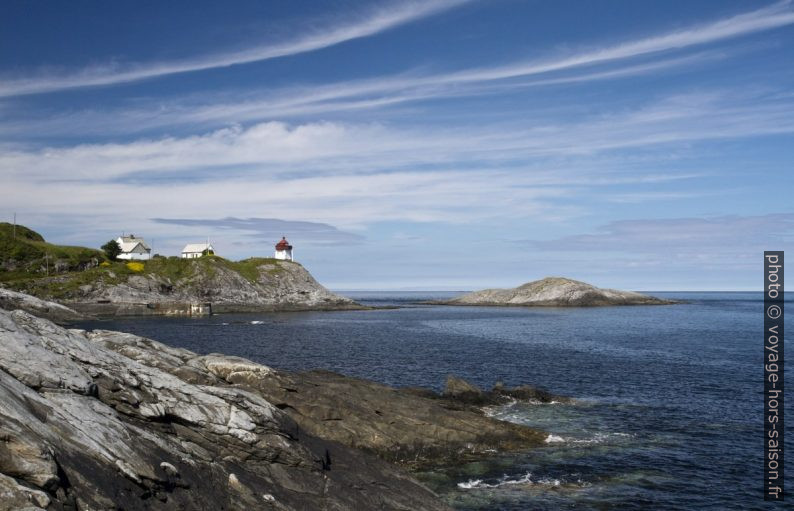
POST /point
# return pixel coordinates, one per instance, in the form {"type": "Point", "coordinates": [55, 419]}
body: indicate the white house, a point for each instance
{"type": "Point", "coordinates": [133, 248]}
{"type": "Point", "coordinates": [283, 250]}
{"type": "Point", "coordinates": [194, 250]}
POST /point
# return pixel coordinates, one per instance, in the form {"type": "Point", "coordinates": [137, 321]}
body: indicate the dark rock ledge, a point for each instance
{"type": "Point", "coordinates": [106, 420]}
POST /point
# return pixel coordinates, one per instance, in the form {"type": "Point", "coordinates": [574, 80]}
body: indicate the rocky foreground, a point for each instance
{"type": "Point", "coordinates": [555, 292]}
{"type": "Point", "coordinates": [106, 420]}
{"type": "Point", "coordinates": [12, 300]}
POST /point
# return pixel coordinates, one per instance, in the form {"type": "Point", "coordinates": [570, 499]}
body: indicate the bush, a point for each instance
{"type": "Point", "coordinates": [135, 266]}
{"type": "Point", "coordinates": [112, 249]}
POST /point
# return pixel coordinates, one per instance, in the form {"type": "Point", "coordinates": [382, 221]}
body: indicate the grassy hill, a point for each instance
{"type": "Point", "coordinates": [29, 264]}
{"type": "Point", "coordinates": [25, 254]}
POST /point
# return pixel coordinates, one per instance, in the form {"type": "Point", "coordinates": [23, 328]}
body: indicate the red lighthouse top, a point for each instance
{"type": "Point", "coordinates": [283, 244]}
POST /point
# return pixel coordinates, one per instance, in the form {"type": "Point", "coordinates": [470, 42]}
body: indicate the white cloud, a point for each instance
{"type": "Point", "coordinates": [279, 150]}
{"type": "Point", "coordinates": [773, 16]}
{"type": "Point", "coordinates": [354, 175]}
{"type": "Point", "coordinates": [378, 21]}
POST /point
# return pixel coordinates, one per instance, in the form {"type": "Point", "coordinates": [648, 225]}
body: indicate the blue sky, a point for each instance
{"type": "Point", "coordinates": [444, 144]}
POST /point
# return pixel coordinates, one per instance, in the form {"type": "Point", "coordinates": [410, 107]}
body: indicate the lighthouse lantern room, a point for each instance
{"type": "Point", "coordinates": [283, 250]}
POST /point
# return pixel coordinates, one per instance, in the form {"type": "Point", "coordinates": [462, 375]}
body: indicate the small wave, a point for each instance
{"type": "Point", "coordinates": [257, 322]}
{"type": "Point", "coordinates": [502, 411]}
{"type": "Point", "coordinates": [598, 438]}
{"type": "Point", "coordinates": [472, 483]}
{"type": "Point", "coordinates": [525, 479]}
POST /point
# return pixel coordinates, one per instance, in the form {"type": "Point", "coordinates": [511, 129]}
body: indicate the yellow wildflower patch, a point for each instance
{"type": "Point", "coordinates": [135, 266]}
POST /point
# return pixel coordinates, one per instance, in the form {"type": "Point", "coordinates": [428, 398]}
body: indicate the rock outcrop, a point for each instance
{"type": "Point", "coordinates": [86, 427]}
{"type": "Point", "coordinates": [460, 391]}
{"type": "Point", "coordinates": [101, 420]}
{"type": "Point", "coordinates": [555, 292]}
{"type": "Point", "coordinates": [11, 300]}
{"type": "Point", "coordinates": [171, 286]}
{"type": "Point", "coordinates": [272, 285]}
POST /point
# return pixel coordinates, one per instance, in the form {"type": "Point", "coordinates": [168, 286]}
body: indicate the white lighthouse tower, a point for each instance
{"type": "Point", "coordinates": [283, 250]}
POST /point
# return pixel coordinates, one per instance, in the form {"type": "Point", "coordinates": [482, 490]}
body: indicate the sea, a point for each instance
{"type": "Point", "coordinates": [668, 410]}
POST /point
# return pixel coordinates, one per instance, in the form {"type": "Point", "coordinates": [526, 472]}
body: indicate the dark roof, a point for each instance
{"type": "Point", "coordinates": [283, 245]}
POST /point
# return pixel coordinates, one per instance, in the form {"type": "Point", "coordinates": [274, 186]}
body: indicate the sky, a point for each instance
{"type": "Point", "coordinates": [436, 144]}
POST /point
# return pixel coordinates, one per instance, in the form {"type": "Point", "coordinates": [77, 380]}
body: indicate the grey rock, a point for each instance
{"type": "Point", "coordinates": [556, 292]}
{"type": "Point", "coordinates": [405, 426]}
{"type": "Point", "coordinates": [459, 388]}
{"type": "Point", "coordinates": [147, 438]}
{"type": "Point", "coordinates": [282, 286]}
{"type": "Point", "coordinates": [12, 300]}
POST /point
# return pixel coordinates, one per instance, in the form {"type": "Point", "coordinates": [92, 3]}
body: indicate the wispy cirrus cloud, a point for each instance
{"type": "Point", "coordinates": [367, 25]}
{"type": "Point", "coordinates": [767, 18]}
{"type": "Point", "coordinates": [282, 150]}
{"type": "Point", "coordinates": [776, 15]}
{"type": "Point", "coordinates": [630, 58]}
{"type": "Point", "coordinates": [204, 109]}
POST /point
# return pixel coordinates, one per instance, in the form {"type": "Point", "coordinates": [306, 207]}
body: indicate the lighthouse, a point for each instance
{"type": "Point", "coordinates": [283, 250]}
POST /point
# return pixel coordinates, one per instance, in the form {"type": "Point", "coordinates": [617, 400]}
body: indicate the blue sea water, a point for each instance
{"type": "Point", "coordinates": [669, 398]}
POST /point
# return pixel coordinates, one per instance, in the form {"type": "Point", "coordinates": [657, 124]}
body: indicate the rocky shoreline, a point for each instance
{"type": "Point", "coordinates": [93, 419]}
{"type": "Point", "coordinates": [174, 287]}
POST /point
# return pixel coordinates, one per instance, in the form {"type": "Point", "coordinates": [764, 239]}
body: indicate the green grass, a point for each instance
{"type": "Point", "coordinates": [28, 251]}
{"type": "Point", "coordinates": [249, 268]}
{"type": "Point", "coordinates": [25, 252]}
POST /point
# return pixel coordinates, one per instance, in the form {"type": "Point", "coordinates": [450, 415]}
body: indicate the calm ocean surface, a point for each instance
{"type": "Point", "coordinates": [670, 397]}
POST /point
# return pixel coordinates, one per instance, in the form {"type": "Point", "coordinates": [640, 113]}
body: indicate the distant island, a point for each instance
{"type": "Point", "coordinates": [88, 281]}
{"type": "Point", "coordinates": [555, 292]}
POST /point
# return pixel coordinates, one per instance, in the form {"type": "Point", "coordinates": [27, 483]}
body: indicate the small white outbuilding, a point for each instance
{"type": "Point", "coordinates": [133, 248]}
{"type": "Point", "coordinates": [195, 250]}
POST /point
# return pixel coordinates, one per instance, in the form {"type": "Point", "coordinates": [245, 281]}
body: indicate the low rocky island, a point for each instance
{"type": "Point", "coordinates": [555, 292]}
{"type": "Point", "coordinates": [105, 420]}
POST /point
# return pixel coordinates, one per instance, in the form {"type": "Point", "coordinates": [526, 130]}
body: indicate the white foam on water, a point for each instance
{"type": "Point", "coordinates": [257, 322]}
{"type": "Point", "coordinates": [526, 479]}
{"type": "Point", "coordinates": [600, 438]}
{"type": "Point", "coordinates": [471, 483]}
{"type": "Point", "coordinates": [554, 439]}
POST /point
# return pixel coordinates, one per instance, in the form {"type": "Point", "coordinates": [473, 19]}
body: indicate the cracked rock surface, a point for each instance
{"type": "Point", "coordinates": [12, 300]}
{"type": "Point", "coordinates": [279, 286]}
{"type": "Point", "coordinates": [107, 420]}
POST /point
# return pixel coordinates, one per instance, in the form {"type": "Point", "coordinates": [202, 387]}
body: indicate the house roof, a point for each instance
{"type": "Point", "coordinates": [197, 247]}
{"type": "Point", "coordinates": [128, 243]}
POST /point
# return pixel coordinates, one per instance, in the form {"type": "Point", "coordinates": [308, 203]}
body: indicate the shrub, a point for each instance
{"type": "Point", "coordinates": [135, 266]}
{"type": "Point", "coordinates": [112, 249]}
